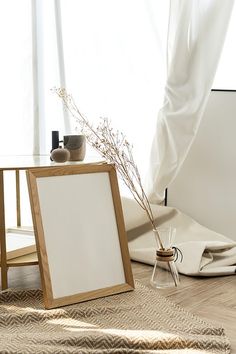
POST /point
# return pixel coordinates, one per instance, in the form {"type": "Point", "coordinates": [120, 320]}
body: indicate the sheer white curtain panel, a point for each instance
{"type": "Point", "coordinates": [48, 72]}
{"type": "Point", "coordinates": [196, 35]}
{"type": "Point", "coordinates": [114, 63]}
{"type": "Point", "coordinates": [16, 108]}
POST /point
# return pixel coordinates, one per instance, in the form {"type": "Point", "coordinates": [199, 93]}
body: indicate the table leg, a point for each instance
{"type": "Point", "coordinates": [18, 211]}
{"type": "Point", "coordinates": [3, 235]}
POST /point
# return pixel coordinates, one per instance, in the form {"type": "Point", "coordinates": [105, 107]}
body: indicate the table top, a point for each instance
{"type": "Point", "coordinates": [23, 162]}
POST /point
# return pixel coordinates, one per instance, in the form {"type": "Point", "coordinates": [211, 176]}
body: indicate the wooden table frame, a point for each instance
{"type": "Point", "coordinates": [2, 235]}
{"type": "Point", "coordinates": [21, 260]}
{"type": "Point", "coordinates": [20, 163]}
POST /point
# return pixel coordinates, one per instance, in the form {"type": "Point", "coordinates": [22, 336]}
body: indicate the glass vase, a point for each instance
{"type": "Point", "coordinates": [165, 273]}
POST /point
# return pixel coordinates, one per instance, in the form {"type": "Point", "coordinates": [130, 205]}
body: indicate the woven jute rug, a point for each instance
{"type": "Point", "coordinates": [140, 321]}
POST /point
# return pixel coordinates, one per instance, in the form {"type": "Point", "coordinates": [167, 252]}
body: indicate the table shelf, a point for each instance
{"type": "Point", "coordinates": [25, 260]}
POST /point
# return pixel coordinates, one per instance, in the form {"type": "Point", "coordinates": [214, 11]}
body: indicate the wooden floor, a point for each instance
{"type": "Point", "coordinates": [211, 298]}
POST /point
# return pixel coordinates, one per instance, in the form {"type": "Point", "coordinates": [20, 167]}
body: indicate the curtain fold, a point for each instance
{"type": "Point", "coordinates": [61, 62]}
{"type": "Point", "coordinates": [196, 35]}
{"type": "Point", "coordinates": [36, 89]}
{"type": "Point", "coordinates": [48, 72]}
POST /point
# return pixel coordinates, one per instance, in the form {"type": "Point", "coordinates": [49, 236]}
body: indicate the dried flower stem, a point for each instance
{"type": "Point", "coordinates": [114, 147]}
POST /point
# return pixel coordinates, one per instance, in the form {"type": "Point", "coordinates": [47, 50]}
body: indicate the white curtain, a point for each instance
{"type": "Point", "coordinates": [108, 53]}
{"type": "Point", "coordinates": [16, 123]}
{"type": "Point", "coordinates": [196, 34]}
{"type": "Point", "coordinates": [47, 72]}
{"type": "Point", "coordinates": [111, 57]}
{"type": "Point", "coordinates": [114, 63]}
{"type": "Point", "coordinates": [29, 68]}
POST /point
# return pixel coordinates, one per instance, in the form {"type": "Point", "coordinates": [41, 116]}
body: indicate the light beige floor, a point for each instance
{"type": "Point", "coordinates": [211, 298]}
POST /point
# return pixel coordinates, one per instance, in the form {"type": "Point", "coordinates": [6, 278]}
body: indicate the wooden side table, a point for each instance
{"type": "Point", "coordinates": [17, 163]}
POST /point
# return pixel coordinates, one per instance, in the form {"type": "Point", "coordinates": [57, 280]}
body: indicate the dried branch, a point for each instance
{"type": "Point", "coordinates": [114, 147]}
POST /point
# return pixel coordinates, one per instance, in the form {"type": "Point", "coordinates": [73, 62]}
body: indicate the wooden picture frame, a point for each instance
{"type": "Point", "coordinates": [80, 233]}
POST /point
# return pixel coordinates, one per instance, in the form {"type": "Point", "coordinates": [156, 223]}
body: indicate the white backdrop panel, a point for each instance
{"type": "Point", "coordinates": [205, 187]}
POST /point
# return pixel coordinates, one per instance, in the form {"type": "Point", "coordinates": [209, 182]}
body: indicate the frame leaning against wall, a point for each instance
{"type": "Point", "coordinates": [80, 233]}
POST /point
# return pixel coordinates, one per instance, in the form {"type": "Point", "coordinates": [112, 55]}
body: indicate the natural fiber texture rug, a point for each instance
{"type": "Point", "coordinates": [140, 321]}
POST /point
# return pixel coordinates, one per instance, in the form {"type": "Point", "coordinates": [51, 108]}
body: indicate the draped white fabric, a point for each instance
{"type": "Point", "coordinates": [47, 111]}
{"type": "Point", "coordinates": [196, 35]}
{"type": "Point", "coordinates": [204, 252]}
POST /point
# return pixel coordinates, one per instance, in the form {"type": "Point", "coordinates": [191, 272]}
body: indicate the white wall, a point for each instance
{"type": "Point", "coordinates": [205, 187]}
